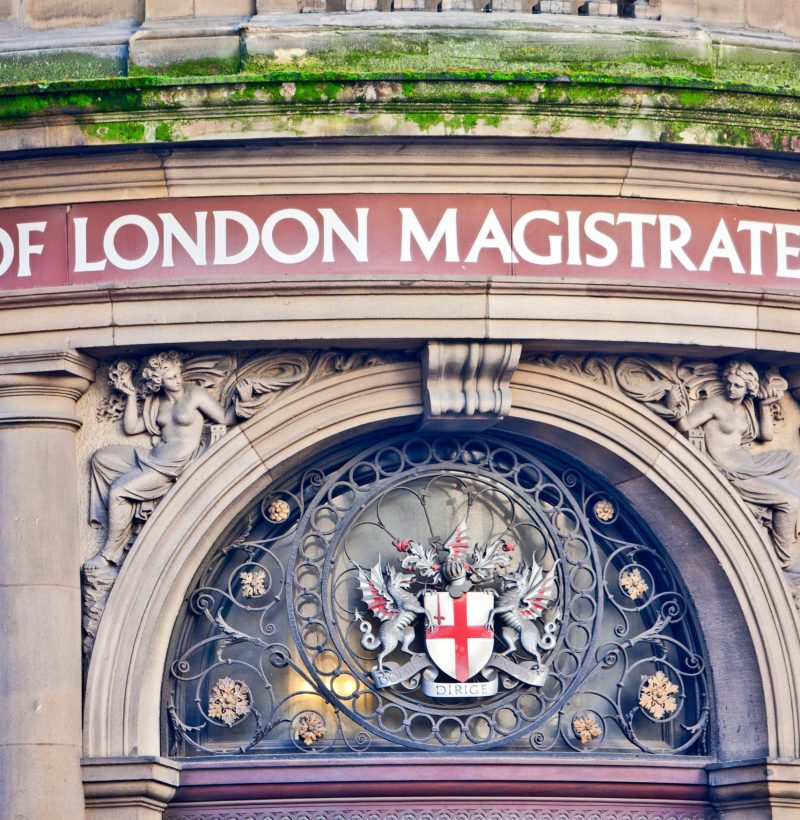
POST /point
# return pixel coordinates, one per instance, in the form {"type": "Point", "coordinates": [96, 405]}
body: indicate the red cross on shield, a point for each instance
{"type": "Point", "coordinates": [459, 644]}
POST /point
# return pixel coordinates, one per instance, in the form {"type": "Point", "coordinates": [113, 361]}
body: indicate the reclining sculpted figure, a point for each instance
{"type": "Point", "coordinates": [730, 421]}
{"type": "Point", "coordinates": [174, 413]}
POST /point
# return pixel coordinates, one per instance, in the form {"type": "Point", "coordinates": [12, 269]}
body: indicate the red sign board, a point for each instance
{"type": "Point", "coordinates": [225, 238]}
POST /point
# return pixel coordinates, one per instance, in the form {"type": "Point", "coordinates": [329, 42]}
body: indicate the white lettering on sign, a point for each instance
{"type": "Point", "coordinates": [447, 229]}
{"type": "Point", "coordinates": [787, 251]}
{"type": "Point", "coordinates": [722, 247]}
{"type": "Point", "coordinates": [195, 245]}
{"type": "Point", "coordinates": [585, 237]}
{"type": "Point", "coordinates": [637, 223]}
{"type": "Point", "coordinates": [82, 263]}
{"type": "Point", "coordinates": [356, 244]}
{"type": "Point", "coordinates": [23, 250]}
{"type": "Point", "coordinates": [491, 235]}
{"type": "Point", "coordinates": [756, 230]}
{"type": "Point", "coordinates": [110, 242]}
{"type": "Point", "coordinates": [470, 689]}
{"type": "Point", "coordinates": [221, 221]}
{"type": "Point", "coordinates": [554, 242]}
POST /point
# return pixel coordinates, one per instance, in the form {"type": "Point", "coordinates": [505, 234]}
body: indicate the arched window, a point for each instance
{"type": "Point", "coordinates": [437, 593]}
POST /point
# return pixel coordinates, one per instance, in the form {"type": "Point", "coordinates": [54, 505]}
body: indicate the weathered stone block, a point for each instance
{"type": "Point", "coordinates": [57, 791]}
{"type": "Point", "coordinates": [467, 386]}
{"type": "Point", "coordinates": [8, 10]}
{"type": "Point", "coordinates": [679, 10]}
{"type": "Point", "coordinates": [279, 6]}
{"type": "Point", "coordinates": [602, 9]}
{"type": "Point", "coordinates": [129, 788]}
{"type": "Point", "coordinates": [360, 5]}
{"type": "Point", "coordinates": [791, 19]}
{"type": "Point", "coordinates": [52, 13]}
{"type": "Point", "coordinates": [559, 6]}
{"type": "Point", "coordinates": [767, 15]}
{"type": "Point", "coordinates": [721, 12]}
{"type": "Point", "coordinates": [233, 8]}
{"type": "Point", "coordinates": [154, 52]}
{"type": "Point", "coordinates": [642, 10]}
{"type": "Point", "coordinates": [45, 706]}
{"type": "Point", "coordinates": [169, 9]}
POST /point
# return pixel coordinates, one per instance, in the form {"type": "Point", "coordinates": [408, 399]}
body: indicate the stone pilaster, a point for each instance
{"type": "Point", "coordinates": [40, 605]}
{"type": "Point", "coordinates": [766, 789]}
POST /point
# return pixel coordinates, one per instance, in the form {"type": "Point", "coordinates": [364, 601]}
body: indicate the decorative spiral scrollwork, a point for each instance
{"type": "Point", "coordinates": [279, 613]}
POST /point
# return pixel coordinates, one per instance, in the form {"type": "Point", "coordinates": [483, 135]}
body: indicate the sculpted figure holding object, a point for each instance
{"type": "Point", "coordinates": [730, 421]}
{"type": "Point", "coordinates": [174, 413]}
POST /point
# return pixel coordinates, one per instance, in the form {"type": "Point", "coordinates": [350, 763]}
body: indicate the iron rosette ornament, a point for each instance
{"type": "Point", "coordinates": [435, 593]}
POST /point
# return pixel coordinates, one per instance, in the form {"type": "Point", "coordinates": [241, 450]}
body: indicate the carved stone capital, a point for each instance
{"type": "Point", "coordinates": [128, 786]}
{"type": "Point", "coordinates": [41, 388]}
{"type": "Point", "coordinates": [466, 385]}
{"type": "Point", "coordinates": [764, 789]}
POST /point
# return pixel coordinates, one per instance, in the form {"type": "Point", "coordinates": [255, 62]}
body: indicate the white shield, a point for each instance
{"type": "Point", "coordinates": [459, 644]}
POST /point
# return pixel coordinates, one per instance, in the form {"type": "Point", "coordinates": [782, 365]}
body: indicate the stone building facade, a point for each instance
{"type": "Point", "coordinates": [399, 409]}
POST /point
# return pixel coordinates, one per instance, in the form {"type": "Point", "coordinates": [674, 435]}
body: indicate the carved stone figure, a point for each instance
{"type": "Point", "coordinates": [176, 397]}
{"type": "Point", "coordinates": [122, 476]}
{"type": "Point", "coordinates": [722, 414]}
{"type": "Point", "coordinates": [732, 420]}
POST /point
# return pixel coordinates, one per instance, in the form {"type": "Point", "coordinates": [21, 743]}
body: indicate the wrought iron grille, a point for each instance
{"type": "Point", "coordinates": [438, 593]}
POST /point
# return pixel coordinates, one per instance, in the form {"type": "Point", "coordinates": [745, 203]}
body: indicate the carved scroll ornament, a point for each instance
{"type": "Point", "coordinates": [723, 409]}
{"type": "Point", "coordinates": [466, 385]}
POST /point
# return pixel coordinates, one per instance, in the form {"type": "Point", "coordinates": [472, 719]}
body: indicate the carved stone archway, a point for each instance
{"type": "Point", "coordinates": [745, 610]}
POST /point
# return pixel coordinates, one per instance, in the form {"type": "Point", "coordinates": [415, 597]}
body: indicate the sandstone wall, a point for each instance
{"type": "Point", "coordinates": [781, 16]}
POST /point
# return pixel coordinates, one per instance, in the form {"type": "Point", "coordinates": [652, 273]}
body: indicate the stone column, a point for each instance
{"type": "Point", "coordinates": [40, 602]}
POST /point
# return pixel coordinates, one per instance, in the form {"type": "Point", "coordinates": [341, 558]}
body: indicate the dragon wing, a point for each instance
{"type": "Point", "coordinates": [457, 542]}
{"type": "Point", "coordinates": [542, 590]}
{"type": "Point", "coordinates": [375, 594]}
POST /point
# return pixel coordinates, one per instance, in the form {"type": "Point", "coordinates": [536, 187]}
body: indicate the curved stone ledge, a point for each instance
{"type": "Point", "coordinates": [411, 74]}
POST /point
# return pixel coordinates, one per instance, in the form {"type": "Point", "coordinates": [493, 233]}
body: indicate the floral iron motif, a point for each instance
{"type": "Point", "coordinates": [230, 701]}
{"type": "Point", "coordinates": [656, 695]}
{"type": "Point", "coordinates": [309, 727]}
{"type": "Point", "coordinates": [586, 728]}
{"type": "Point", "coordinates": [633, 584]}
{"type": "Point", "coordinates": [253, 583]}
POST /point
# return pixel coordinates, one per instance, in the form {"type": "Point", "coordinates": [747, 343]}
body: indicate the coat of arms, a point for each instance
{"type": "Point", "coordinates": [473, 603]}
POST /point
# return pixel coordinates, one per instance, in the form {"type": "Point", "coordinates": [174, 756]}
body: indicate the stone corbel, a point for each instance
{"type": "Point", "coordinates": [129, 787]}
{"type": "Point", "coordinates": [466, 385]}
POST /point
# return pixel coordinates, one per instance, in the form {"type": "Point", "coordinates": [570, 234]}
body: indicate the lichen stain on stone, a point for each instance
{"type": "Point", "coordinates": [288, 90]}
{"type": "Point", "coordinates": [288, 55]}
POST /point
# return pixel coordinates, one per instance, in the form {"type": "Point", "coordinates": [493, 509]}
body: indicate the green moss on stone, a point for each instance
{"type": "Point", "coordinates": [21, 106]}
{"type": "Point", "coordinates": [207, 67]}
{"type": "Point", "coordinates": [57, 65]}
{"type": "Point", "coordinates": [441, 82]}
{"type": "Point", "coordinates": [121, 132]}
{"type": "Point", "coordinates": [163, 132]}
